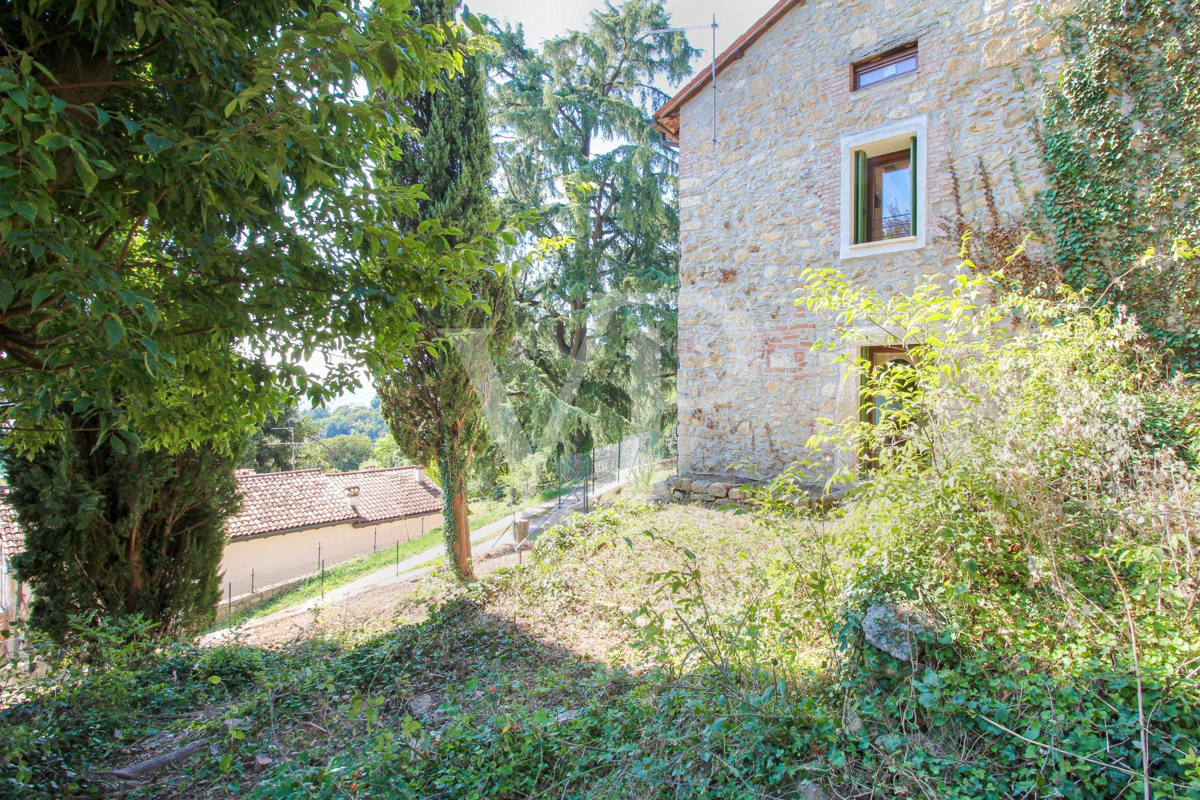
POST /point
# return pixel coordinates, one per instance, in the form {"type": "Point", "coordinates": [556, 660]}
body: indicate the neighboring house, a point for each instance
{"type": "Point", "coordinates": [840, 130]}
{"type": "Point", "coordinates": [289, 523]}
{"type": "Point", "coordinates": [12, 593]}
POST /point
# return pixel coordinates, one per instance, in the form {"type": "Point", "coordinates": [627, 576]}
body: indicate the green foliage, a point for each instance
{"type": "Point", "coordinates": [1121, 139]}
{"type": "Point", "coordinates": [120, 532]}
{"type": "Point", "coordinates": [190, 193]}
{"type": "Point", "coordinates": [77, 717]}
{"type": "Point", "coordinates": [1028, 513]}
{"type": "Point", "coordinates": [427, 395]}
{"type": "Point", "coordinates": [354, 419]}
{"type": "Point", "coordinates": [346, 453]}
{"type": "Point", "coordinates": [269, 447]}
{"type": "Point", "coordinates": [1030, 510]}
{"type": "Point", "coordinates": [386, 453]}
{"type": "Point", "coordinates": [577, 149]}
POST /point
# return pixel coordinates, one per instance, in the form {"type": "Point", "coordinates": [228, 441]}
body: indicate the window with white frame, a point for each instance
{"type": "Point", "coordinates": [883, 189]}
{"type": "Point", "coordinates": [3, 585]}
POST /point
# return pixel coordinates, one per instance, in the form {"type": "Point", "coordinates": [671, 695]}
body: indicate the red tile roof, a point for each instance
{"type": "Point", "coordinates": [379, 495]}
{"type": "Point", "coordinates": [666, 119]}
{"type": "Point", "coordinates": [12, 541]}
{"type": "Point", "coordinates": [273, 502]}
{"type": "Point", "coordinates": [276, 502]}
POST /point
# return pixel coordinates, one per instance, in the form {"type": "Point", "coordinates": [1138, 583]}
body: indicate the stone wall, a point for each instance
{"type": "Point", "coordinates": [765, 202]}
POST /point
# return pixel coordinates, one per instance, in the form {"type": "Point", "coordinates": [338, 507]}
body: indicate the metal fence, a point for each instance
{"type": "Point", "coordinates": [581, 476]}
{"type": "Point", "coordinates": [324, 556]}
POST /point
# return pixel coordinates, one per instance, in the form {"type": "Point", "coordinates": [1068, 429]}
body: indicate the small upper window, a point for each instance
{"type": "Point", "coordinates": [885, 67]}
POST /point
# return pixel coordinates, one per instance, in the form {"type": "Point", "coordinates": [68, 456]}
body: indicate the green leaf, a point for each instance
{"type": "Point", "coordinates": [86, 175]}
{"type": "Point", "coordinates": [473, 24]}
{"type": "Point", "coordinates": [26, 209]}
{"type": "Point", "coordinates": [156, 143]}
{"type": "Point", "coordinates": [6, 294]}
{"type": "Point", "coordinates": [387, 61]}
{"type": "Point", "coordinates": [53, 141]}
{"type": "Point", "coordinates": [114, 329]}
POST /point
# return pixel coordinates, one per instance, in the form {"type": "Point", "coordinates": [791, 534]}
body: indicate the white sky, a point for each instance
{"type": "Point", "coordinates": [545, 19]}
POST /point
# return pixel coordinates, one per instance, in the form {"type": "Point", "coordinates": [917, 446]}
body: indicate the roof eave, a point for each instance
{"type": "Point", "coordinates": [670, 109]}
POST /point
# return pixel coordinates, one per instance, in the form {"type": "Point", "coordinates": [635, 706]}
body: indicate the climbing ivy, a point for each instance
{"type": "Point", "coordinates": [1120, 132]}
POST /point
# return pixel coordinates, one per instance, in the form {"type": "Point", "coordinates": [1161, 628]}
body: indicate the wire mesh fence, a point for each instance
{"type": "Point", "coordinates": [581, 475]}
{"type": "Point", "coordinates": [324, 556]}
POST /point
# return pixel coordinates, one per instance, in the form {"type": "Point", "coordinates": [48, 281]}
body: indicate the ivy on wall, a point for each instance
{"type": "Point", "coordinates": [1120, 132]}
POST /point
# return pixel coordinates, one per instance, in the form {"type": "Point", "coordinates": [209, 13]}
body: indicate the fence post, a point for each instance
{"type": "Point", "coordinates": [676, 449]}
{"type": "Point", "coordinates": [251, 581]}
{"type": "Point", "coordinates": [619, 442]}
{"type": "Point", "coordinates": [375, 541]}
{"type": "Point", "coordinates": [322, 580]}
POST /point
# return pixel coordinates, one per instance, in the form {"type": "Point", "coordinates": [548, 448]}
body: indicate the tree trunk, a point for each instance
{"type": "Point", "coordinates": [453, 463]}
{"type": "Point", "coordinates": [461, 546]}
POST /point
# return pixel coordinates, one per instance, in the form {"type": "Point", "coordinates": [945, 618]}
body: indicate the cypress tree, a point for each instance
{"type": "Point", "coordinates": [120, 531]}
{"type": "Point", "coordinates": [427, 397]}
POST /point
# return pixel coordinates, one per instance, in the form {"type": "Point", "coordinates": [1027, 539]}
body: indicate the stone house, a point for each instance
{"type": "Point", "coordinates": [839, 133]}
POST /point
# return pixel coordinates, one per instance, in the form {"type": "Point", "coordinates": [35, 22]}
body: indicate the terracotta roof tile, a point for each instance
{"type": "Point", "coordinates": [12, 541]}
{"type": "Point", "coordinates": [384, 494]}
{"type": "Point", "coordinates": [273, 502]}
{"type": "Point", "coordinates": [283, 501]}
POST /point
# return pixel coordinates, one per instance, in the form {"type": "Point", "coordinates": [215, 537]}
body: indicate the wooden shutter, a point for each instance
{"type": "Point", "coordinates": [860, 197]}
{"type": "Point", "coordinates": [912, 172]}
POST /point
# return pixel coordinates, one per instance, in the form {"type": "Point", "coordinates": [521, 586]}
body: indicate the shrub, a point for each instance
{"type": "Point", "coordinates": [113, 531]}
{"type": "Point", "coordinates": [1033, 501]}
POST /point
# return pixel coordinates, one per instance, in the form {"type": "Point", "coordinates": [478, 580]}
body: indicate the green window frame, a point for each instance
{"type": "Point", "coordinates": [864, 166]}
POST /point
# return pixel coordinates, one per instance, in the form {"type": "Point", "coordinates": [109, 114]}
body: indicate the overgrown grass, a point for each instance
{"type": "Point", "coordinates": [656, 653]}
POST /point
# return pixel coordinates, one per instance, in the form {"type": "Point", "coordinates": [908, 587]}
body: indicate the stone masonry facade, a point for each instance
{"type": "Point", "coordinates": [767, 201]}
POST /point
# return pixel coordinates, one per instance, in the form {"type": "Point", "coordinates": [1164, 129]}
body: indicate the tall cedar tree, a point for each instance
{"type": "Point", "coordinates": [121, 532]}
{"type": "Point", "coordinates": [577, 149]}
{"type": "Point", "coordinates": [428, 400]}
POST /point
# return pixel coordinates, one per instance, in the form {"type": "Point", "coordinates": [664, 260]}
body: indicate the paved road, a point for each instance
{"type": "Point", "coordinates": [541, 517]}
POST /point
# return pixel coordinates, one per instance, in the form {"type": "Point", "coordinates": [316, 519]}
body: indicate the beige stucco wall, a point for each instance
{"type": "Point", "coordinates": [769, 201]}
{"type": "Point", "coordinates": [283, 556]}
